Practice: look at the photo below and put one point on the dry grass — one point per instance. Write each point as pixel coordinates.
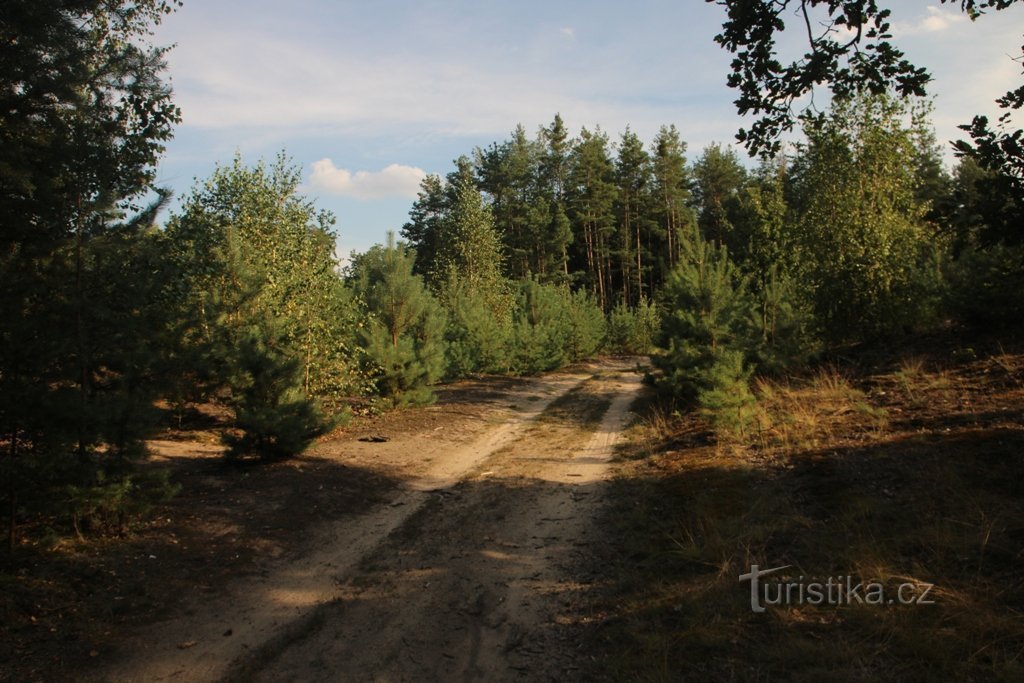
(919, 385)
(794, 416)
(903, 476)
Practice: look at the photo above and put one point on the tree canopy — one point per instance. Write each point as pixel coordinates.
(850, 48)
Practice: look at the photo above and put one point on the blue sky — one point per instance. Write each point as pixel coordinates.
(367, 97)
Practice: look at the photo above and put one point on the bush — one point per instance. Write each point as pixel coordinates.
(540, 328)
(272, 411)
(986, 285)
(587, 327)
(633, 330)
(549, 326)
(478, 339)
(111, 498)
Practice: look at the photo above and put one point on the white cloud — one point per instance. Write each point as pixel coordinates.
(936, 20)
(248, 80)
(394, 180)
(939, 19)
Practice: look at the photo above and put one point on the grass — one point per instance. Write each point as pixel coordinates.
(905, 475)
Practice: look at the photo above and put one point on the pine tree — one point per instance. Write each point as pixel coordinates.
(478, 340)
(632, 174)
(423, 229)
(671, 180)
(719, 177)
(84, 119)
(725, 398)
(275, 417)
(554, 179)
(508, 173)
(705, 335)
(403, 338)
(591, 197)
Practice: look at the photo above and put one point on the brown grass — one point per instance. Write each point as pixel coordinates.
(905, 475)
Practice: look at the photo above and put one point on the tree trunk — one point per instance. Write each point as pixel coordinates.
(80, 333)
(639, 269)
(12, 492)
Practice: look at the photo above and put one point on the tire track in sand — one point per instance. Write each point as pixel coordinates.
(211, 636)
(485, 581)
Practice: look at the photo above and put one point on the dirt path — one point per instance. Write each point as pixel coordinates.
(466, 572)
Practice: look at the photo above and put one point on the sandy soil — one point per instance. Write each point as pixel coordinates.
(470, 565)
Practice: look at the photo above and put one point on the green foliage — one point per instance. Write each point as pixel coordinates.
(719, 178)
(510, 174)
(591, 198)
(478, 339)
(548, 327)
(986, 285)
(866, 254)
(111, 498)
(763, 232)
(540, 330)
(869, 63)
(984, 208)
(672, 196)
(83, 122)
(468, 245)
(632, 178)
(455, 239)
(633, 330)
(452, 231)
(250, 247)
(724, 396)
(706, 332)
(264, 313)
(999, 149)
(275, 418)
(525, 181)
(587, 325)
(553, 178)
(552, 326)
(403, 338)
(785, 322)
(84, 116)
(423, 230)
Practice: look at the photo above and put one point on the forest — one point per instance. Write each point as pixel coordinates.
(535, 252)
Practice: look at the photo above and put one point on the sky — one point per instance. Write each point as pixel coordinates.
(368, 97)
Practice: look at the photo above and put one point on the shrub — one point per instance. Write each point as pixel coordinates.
(633, 330)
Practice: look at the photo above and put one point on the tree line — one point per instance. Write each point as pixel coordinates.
(856, 234)
(580, 212)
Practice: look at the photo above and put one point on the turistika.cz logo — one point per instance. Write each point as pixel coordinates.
(836, 591)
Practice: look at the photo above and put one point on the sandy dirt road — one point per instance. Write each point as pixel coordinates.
(469, 570)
